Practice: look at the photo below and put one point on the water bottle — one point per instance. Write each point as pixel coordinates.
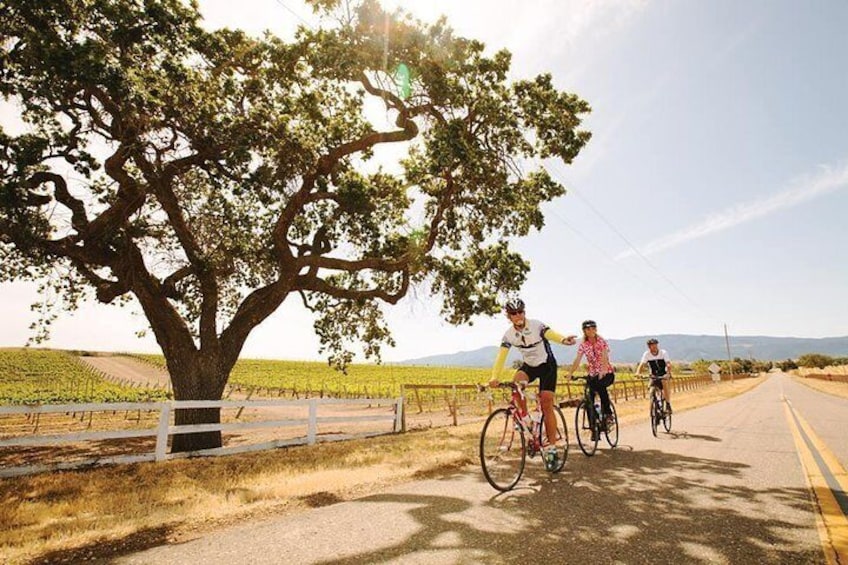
(537, 417)
(598, 410)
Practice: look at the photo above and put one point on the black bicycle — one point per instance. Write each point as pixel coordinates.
(660, 409)
(590, 423)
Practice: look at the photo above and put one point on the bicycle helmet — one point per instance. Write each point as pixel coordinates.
(653, 341)
(514, 306)
(589, 324)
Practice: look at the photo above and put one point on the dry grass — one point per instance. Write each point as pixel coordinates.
(832, 370)
(72, 516)
(830, 387)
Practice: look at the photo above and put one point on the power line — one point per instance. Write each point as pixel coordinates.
(559, 173)
(609, 257)
(292, 12)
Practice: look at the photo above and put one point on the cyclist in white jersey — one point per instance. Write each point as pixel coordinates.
(660, 364)
(532, 338)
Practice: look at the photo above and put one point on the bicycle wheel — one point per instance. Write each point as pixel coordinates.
(667, 419)
(502, 453)
(584, 428)
(612, 427)
(654, 416)
(562, 440)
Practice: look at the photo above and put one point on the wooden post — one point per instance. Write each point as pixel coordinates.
(312, 430)
(418, 400)
(241, 408)
(162, 431)
(402, 410)
(455, 406)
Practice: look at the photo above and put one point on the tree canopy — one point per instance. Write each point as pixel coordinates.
(209, 175)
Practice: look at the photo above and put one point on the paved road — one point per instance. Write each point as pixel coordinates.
(727, 486)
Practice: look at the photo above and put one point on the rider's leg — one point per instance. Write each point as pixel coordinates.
(603, 383)
(521, 376)
(546, 397)
(667, 391)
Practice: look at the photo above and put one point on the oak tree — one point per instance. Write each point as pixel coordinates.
(211, 175)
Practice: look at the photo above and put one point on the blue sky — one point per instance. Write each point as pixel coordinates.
(714, 190)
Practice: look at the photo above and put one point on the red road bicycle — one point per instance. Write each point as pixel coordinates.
(506, 442)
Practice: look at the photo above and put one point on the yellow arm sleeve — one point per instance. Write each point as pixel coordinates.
(499, 362)
(551, 335)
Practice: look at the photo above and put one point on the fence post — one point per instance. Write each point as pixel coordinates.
(312, 430)
(455, 407)
(241, 408)
(418, 400)
(400, 417)
(162, 431)
(402, 409)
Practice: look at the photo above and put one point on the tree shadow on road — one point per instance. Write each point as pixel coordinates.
(619, 506)
(687, 435)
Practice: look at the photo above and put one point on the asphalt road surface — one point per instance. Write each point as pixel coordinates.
(726, 486)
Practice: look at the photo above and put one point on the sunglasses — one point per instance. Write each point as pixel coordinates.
(515, 312)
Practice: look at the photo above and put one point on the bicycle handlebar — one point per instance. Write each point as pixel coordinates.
(510, 385)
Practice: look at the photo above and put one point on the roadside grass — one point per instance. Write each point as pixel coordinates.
(97, 513)
(829, 387)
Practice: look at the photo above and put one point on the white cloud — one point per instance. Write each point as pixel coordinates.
(804, 189)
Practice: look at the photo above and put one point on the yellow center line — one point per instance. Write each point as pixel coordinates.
(819, 464)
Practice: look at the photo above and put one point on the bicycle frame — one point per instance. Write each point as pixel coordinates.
(659, 412)
(533, 434)
(506, 441)
(589, 401)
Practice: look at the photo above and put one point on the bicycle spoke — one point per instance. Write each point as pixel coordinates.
(654, 416)
(612, 427)
(502, 450)
(584, 429)
(667, 419)
(561, 443)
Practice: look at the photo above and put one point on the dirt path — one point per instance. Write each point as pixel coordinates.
(129, 369)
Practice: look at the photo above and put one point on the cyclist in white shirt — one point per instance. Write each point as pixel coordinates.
(532, 338)
(660, 364)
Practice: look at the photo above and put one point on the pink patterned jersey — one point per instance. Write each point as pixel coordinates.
(594, 355)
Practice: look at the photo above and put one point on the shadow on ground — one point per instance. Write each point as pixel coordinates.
(619, 506)
(137, 541)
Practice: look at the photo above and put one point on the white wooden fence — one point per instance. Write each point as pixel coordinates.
(165, 428)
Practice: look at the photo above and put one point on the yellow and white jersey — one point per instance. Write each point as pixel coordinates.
(530, 341)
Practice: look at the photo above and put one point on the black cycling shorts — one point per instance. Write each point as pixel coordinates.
(546, 373)
(604, 381)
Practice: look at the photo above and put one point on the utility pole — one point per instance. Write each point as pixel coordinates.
(729, 358)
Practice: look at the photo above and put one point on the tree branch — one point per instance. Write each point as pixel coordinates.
(316, 284)
(79, 219)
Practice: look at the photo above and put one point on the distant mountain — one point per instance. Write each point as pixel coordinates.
(680, 347)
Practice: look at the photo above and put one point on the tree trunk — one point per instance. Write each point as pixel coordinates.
(202, 378)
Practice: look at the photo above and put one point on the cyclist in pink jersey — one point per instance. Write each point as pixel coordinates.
(601, 371)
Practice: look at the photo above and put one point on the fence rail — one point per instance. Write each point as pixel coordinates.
(454, 397)
(164, 429)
